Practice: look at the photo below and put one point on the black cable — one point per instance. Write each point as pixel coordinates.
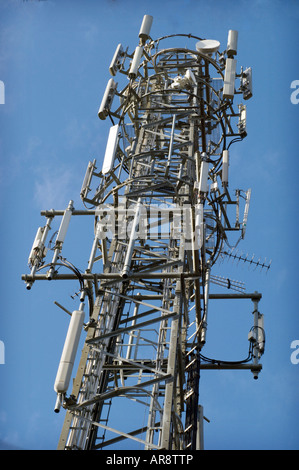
(76, 271)
(237, 139)
(219, 362)
(111, 118)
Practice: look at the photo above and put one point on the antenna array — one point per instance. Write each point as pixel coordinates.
(162, 213)
(233, 254)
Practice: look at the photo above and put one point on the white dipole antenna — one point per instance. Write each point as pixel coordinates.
(60, 238)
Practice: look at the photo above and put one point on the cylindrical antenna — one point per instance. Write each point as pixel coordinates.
(225, 165)
(69, 352)
(127, 262)
(199, 225)
(145, 27)
(232, 42)
(135, 62)
(206, 301)
(204, 172)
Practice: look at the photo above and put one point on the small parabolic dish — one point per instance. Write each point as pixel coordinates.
(207, 46)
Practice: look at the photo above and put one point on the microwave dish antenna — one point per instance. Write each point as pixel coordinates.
(207, 46)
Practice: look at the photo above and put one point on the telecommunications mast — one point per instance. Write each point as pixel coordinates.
(162, 214)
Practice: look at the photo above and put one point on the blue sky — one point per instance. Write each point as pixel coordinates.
(54, 59)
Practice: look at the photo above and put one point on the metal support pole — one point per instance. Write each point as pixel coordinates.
(133, 236)
(255, 312)
(200, 429)
(206, 306)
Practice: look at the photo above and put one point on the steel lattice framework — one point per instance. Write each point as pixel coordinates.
(162, 212)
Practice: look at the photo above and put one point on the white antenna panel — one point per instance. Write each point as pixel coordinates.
(64, 223)
(242, 120)
(261, 333)
(87, 179)
(107, 99)
(115, 63)
(199, 225)
(36, 247)
(247, 83)
(229, 78)
(203, 180)
(110, 149)
(246, 210)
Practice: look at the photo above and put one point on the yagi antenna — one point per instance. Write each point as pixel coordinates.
(246, 259)
(228, 283)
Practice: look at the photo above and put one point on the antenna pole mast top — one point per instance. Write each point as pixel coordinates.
(160, 210)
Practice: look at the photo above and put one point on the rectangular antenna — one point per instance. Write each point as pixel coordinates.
(87, 178)
(65, 223)
(115, 63)
(247, 83)
(246, 210)
(242, 120)
(204, 173)
(229, 78)
(60, 238)
(107, 99)
(261, 333)
(110, 149)
(127, 262)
